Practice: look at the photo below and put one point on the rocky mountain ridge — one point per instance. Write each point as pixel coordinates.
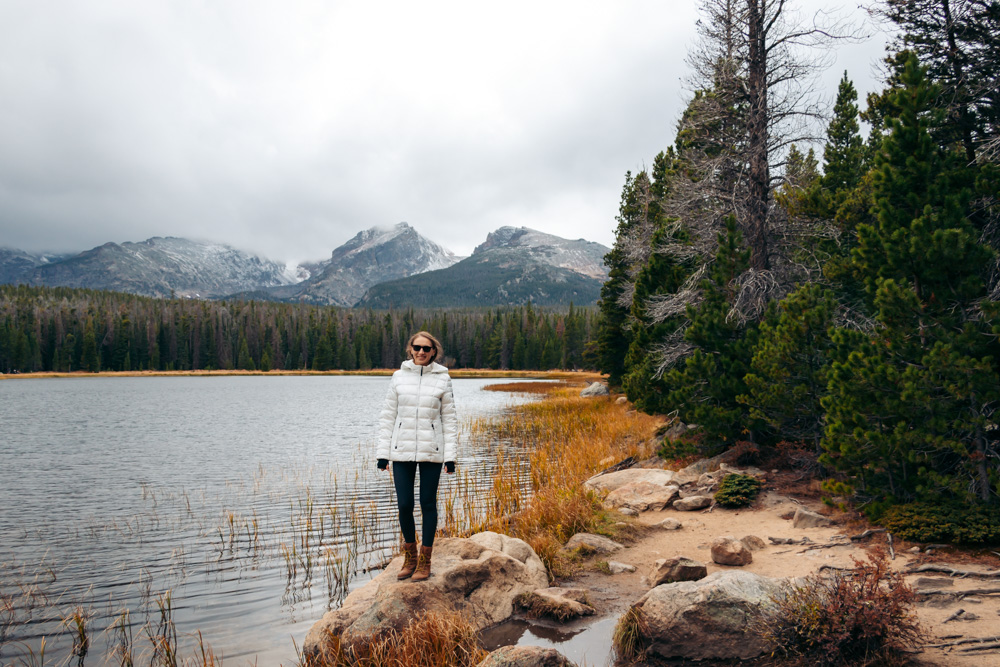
(513, 265)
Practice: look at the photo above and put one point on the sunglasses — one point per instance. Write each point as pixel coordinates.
(423, 348)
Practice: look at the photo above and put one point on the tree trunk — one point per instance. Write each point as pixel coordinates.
(756, 214)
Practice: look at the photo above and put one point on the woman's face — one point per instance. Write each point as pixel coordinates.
(422, 350)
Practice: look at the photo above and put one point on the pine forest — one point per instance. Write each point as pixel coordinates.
(66, 329)
(837, 297)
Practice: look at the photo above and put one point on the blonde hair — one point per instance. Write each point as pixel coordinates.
(438, 351)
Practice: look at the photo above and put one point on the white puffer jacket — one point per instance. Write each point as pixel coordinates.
(418, 420)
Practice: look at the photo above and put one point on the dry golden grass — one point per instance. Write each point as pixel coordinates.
(433, 639)
(569, 439)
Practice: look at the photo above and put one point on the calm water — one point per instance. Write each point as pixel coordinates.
(253, 501)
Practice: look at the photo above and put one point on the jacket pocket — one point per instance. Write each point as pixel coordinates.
(395, 434)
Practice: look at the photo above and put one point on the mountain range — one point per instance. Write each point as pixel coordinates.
(378, 267)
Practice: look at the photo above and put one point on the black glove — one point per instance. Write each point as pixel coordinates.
(383, 464)
(449, 466)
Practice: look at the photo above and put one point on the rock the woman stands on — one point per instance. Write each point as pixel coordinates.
(418, 430)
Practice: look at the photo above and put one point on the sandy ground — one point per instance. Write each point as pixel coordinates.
(612, 594)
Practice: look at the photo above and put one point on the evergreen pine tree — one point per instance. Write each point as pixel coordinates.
(909, 403)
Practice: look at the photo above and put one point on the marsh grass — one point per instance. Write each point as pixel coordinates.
(564, 440)
(433, 639)
(628, 639)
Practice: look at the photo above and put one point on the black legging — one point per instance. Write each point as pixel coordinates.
(403, 475)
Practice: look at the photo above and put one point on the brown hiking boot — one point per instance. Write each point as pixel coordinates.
(409, 560)
(423, 570)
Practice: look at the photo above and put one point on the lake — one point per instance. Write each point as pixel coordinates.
(243, 507)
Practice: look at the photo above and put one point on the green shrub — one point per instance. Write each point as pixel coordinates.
(737, 490)
(953, 524)
(861, 616)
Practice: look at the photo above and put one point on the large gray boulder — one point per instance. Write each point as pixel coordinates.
(642, 496)
(595, 389)
(525, 656)
(478, 577)
(707, 619)
(614, 480)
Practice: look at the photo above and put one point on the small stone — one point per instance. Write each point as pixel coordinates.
(968, 616)
(619, 568)
(806, 519)
(693, 503)
(753, 543)
(678, 568)
(913, 550)
(730, 551)
(628, 511)
(592, 544)
(669, 524)
(621, 400)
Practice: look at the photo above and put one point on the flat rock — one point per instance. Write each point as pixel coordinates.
(558, 603)
(753, 543)
(596, 389)
(669, 524)
(804, 518)
(676, 568)
(707, 619)
(692, 503)
(730, 551)
(619, 568)
(590, 543)
(614, 480)
(525, 656)
(933, 583)
(642, 496)
(478, 577)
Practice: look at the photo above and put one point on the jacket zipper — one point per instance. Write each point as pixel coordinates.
(416, 420)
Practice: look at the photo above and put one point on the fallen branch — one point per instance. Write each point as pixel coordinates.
(870, 531)
(961, 594)
(982, 647)
(954, 572)
(825, 546)
(962, 642)
(892, 552)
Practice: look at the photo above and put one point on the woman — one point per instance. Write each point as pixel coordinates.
(418, 430)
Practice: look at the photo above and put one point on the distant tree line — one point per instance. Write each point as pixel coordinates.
(853, 305)
(68, 329)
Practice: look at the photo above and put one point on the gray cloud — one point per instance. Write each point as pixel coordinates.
(284, 128)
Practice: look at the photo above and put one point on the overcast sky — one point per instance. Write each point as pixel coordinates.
(286, 128)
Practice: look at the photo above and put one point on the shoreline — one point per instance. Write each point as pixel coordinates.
(481, 373)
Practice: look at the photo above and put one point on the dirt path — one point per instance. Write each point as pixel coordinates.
(612, 594)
